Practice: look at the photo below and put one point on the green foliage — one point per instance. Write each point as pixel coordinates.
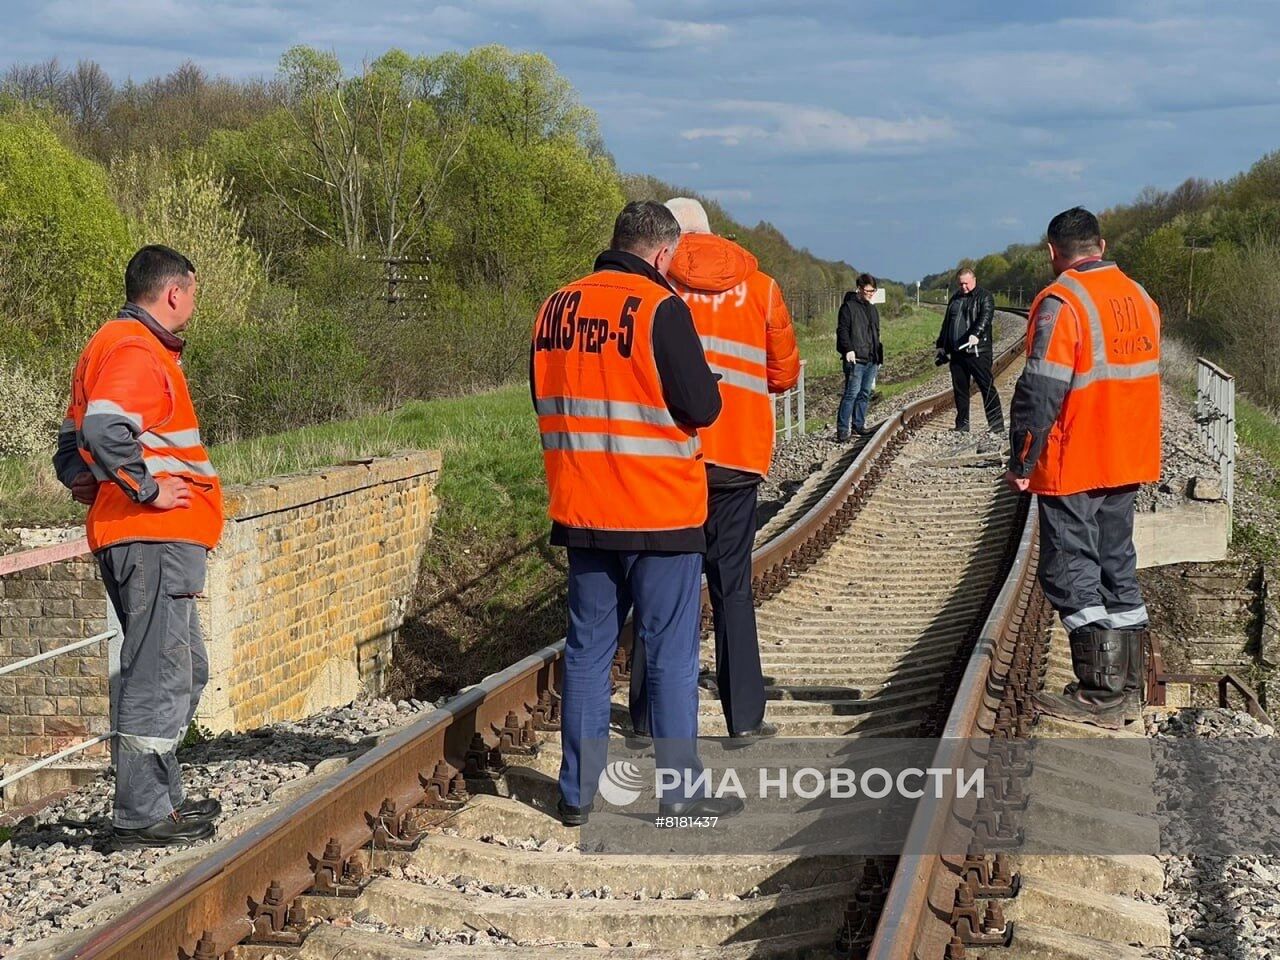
(180, 202)
(278, 368)
(30, 410)
(63, 244)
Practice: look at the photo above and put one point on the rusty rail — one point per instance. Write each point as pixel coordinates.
(245, 891)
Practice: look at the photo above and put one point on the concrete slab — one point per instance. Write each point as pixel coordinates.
(660, 923)
(1072, 909)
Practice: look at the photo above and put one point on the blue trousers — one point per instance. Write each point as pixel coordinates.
(662, 590)
(859, 378)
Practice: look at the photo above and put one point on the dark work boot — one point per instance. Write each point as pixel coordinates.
(1135, 680)
(206, 809)
(173, 831)
(1100, 660)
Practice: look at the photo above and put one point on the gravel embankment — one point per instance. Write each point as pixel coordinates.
(1220, 908)
(59, 862)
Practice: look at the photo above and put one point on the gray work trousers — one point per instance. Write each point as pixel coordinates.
(1088, 564)
(163, 670)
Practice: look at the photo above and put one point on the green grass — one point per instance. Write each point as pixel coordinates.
(491, 484)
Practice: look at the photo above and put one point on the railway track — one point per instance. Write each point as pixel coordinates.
(896, 598)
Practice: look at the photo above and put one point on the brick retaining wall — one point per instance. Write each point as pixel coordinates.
(306, 592)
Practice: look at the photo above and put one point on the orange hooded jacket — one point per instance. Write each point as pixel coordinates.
(748, 339)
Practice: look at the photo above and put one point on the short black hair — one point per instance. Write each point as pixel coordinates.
(867, 280)
(1075, 232)
(643, 226)
(152, 269)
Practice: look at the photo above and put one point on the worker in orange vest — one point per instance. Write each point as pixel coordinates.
(746, 332)
(621, 386)
(1085, 433)
(130, 447)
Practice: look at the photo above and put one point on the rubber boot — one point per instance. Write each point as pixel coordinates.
(1135, 680)
(1100, 661)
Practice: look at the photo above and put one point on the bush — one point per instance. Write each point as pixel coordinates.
(31, 410)
(183, 204)
(276, 370)
(63, 243)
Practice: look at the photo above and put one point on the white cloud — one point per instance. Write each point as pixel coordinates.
(1070, 170)
(800, 128)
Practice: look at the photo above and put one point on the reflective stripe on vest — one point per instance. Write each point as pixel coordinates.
(734, 333)
(1107, 433)
(171, 445)
(1101, 367)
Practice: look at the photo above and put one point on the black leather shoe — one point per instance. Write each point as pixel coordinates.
(172, 831)
(205, 809)
(762, 732)
(572, 816)
(703, 807)
(863, 431)
(637, 741)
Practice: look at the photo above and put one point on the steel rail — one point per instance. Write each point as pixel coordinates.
(244, 889)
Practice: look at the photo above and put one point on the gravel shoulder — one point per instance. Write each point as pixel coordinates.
(1227, 907)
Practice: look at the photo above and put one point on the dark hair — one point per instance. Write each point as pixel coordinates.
(643, 226)
(866, 280)
(1075, 232)
(152, 269)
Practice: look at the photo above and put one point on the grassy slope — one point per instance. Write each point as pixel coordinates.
(491, 588)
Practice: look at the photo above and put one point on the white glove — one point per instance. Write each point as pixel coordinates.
(971, 342)
(851, 357)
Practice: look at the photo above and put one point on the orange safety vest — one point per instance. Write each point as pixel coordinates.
(1106, 346)
(171, 445)
(744, 325)
(615, 458)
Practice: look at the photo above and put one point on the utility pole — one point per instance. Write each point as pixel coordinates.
(917, 293)
(1191, 272)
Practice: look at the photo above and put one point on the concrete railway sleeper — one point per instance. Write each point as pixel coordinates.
(442, 827)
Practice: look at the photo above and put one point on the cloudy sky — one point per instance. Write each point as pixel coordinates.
(899, 135)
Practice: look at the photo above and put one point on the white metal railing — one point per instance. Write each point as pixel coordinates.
(75, 748)
(1216, 418)
(792, 403)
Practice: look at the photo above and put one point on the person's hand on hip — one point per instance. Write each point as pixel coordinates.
(174, 493)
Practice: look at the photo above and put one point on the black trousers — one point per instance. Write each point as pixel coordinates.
(967, 368)
(731, 531)
(1088, 565)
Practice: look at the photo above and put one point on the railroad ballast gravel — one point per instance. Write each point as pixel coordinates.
(59, 863)
(1220, 908)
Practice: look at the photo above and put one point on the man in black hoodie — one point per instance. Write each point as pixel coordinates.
(965, 340)
(858, 343)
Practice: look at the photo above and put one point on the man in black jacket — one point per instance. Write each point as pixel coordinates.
(858, 343)
(965, 340)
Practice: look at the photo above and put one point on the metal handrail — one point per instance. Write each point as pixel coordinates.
(49, 654)
(75, 747)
